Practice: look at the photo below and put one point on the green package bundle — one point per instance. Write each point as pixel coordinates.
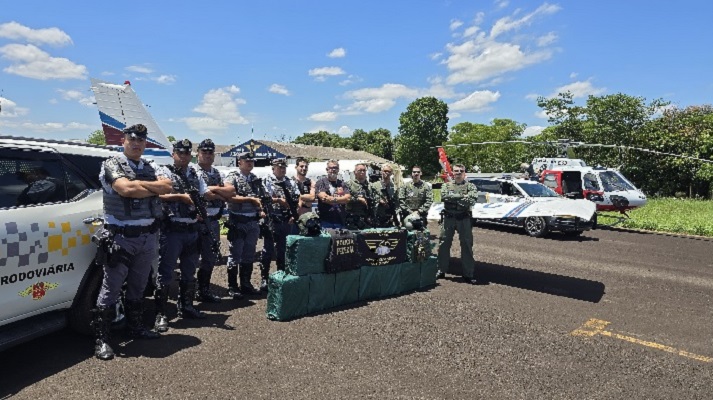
(369, 284)
(288, 296)
(321, 292)
(390, 279)
(429, 267)
(346, 287)
(410, 277)
(306, 255)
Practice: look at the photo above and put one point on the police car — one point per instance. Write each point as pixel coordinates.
(49, 199)
(529, 204)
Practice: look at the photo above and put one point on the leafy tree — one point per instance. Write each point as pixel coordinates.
(171, 139)
(377, 142)
(423, 126)
(491, 157)
(322, 138)
(97, 137)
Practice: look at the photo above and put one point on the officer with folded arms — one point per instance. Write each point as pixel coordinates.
(305, 186)
(129, 241)
(279, 187)
(360, 208)
(245, 210)
(458, 198)
(179, 236)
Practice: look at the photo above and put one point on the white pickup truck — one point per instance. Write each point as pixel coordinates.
(49, 193)
(531, 205)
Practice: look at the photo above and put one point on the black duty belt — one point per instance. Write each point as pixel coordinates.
(133, 230)
(459, 215)
(241, 219)
(181, 227)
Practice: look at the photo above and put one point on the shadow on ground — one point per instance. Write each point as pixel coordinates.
(537, 281)
(558, 236)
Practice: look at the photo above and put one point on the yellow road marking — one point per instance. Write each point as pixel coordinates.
(596, 327)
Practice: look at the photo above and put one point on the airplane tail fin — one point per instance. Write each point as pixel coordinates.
(119, 107)
(443, 159)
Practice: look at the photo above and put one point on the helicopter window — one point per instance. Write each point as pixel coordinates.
(550, 181)
(590, 182)
(537, 190)
(613, 182)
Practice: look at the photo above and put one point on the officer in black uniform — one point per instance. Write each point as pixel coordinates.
(128, 244)
(214, 208)
(245, 210)
(282, 221)
(306, 188)
(179, 236)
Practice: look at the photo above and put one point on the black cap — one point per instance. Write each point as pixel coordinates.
(138, 130)
(206, 144)
(183, 146)
(246, 156)
(281, 162)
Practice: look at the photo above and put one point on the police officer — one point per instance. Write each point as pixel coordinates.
(245, 209)
(279, 187)
(388, 202)
(332, 195)
(132, 210)
(458, 198)
(415, 197)
(179, 236)
(214, 208)
(360, 208)
(305, 187)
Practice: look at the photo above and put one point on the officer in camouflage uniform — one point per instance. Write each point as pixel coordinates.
(458, 198)
(130, 236)
(274, 245)
(179, 237)
(214, 208)
(415, 197)
(360, 209)
(388, 202)
(245, 211)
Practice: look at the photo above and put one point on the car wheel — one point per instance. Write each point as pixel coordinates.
(535, 226)
(80, 315)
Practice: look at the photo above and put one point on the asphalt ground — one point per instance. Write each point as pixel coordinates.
(610, 315)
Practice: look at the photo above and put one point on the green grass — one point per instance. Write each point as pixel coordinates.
(694, 217)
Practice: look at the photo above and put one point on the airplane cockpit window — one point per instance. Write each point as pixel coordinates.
(590, 182)
(613, 182)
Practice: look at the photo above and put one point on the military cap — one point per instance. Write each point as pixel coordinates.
(279, 162)
(206, 144)
(246, 156)
(183, 146)
(138, 130)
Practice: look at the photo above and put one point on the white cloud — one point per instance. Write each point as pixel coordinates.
(10, 109)
(479, 17)
(573, 75)
(220, 109)
(452, 115)
(139, 69)
(507, 23)
(532, 131)
(31, 62)
(75, 95)
(578, 89)
(379, 99)
(455, 24)
(45, 127)
(322, 73)
(323, 116)
(107, 73)
(477, 101)
(542, 114)
(337, 53)
(546, 40)
(502, 3)
(470, 31)
(435, 56)
(344, 131)
(165, 79)
(51, 36)
(532, 96)
(350, 80)
(278, 89)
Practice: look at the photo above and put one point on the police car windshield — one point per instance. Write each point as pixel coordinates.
(614, 182)
(537, 190)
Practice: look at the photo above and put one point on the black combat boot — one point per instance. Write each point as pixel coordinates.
(204, 293)
(161, 299)
(187, 292)
(233, 290)
(101, 322)
(265, 274)
(246, 287)
(135, 315)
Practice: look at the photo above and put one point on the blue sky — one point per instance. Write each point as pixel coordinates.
(216, 69)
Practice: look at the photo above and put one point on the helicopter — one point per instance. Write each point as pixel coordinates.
(573, 178)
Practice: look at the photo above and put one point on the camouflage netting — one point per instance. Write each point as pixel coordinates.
(420, 241)
(321, 292)
(346, 287)
(288, 296)
(306, 255)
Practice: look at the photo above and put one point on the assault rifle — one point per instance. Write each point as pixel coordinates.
(291, 205)
(266, 227)
(200, 205)
(392, 207)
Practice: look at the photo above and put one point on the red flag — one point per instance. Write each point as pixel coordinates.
(448, 176)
